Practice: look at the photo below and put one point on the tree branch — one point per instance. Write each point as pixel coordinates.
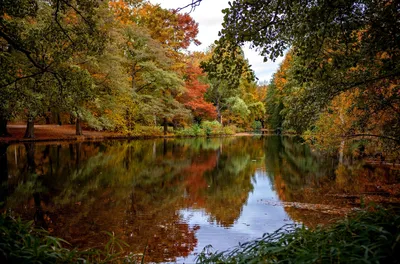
(58, 23)
(21, 78)
(193, 5)
(80, 14)
(21, 49)
(143, 86)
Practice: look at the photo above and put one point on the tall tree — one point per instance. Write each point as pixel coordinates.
(193, 98)
(46, 35)
(225, 69)
(338, 46)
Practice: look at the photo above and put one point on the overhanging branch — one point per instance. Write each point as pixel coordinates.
(193, 5)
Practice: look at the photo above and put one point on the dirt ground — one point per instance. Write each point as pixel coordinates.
(55, 132)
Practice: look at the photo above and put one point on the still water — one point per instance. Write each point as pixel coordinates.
(170, 198)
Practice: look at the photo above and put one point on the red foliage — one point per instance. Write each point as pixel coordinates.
(190, 29)
(193, 98)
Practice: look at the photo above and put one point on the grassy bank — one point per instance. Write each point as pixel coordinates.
(367, 237)
(20, 242)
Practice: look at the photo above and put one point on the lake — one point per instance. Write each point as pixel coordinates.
(170, 198)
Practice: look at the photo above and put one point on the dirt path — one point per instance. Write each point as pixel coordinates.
(56, 132)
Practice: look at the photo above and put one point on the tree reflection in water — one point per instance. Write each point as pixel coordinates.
(303, 176)
(137, 189)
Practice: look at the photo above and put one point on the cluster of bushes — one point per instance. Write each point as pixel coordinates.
(206, 128)
(367, 237)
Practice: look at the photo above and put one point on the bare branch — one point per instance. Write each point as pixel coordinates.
(193, 5)
(22, 78)
(58, 23)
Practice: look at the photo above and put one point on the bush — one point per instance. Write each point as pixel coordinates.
(367, 237)
(20, 242)
(207, 128)
(196, 130)
(147, 131)
(211, 127)
(229, 130)
(193, 131)
(256, 126)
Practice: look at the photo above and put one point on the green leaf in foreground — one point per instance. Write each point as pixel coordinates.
(367, 237)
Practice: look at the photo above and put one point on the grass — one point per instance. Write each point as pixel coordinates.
(367, 237)
(20, 242)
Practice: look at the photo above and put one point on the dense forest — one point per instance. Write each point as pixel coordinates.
(118, 65)
(124, 66)
(339, 82)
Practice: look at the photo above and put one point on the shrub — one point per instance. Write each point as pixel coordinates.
(256, 126)
(367, 237)
(212, 127)
(193, 131)
(229, 130)
(147, 131)
(20, 242)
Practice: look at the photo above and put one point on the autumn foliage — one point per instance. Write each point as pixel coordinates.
(193, 98)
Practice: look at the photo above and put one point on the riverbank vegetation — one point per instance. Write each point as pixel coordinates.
(21, 242)
(367, 237)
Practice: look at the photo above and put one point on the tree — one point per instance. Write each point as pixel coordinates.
(225, 70)
(174, 30)
(338, 46)
(45, 35)
(193, 97)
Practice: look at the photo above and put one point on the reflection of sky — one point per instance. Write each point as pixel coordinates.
(256, 219)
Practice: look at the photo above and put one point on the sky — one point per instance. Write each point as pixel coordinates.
(210, 18)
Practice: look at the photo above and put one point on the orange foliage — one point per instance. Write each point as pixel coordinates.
(280, 76)
(193, 98)
(122, 11)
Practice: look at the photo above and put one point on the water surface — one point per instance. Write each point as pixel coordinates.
(173, 197)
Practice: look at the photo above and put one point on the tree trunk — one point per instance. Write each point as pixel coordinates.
(30, 128)
(341, 152)
(59, 122)
(78, 126)
(175, 125)
(47, 117)
(165, 126)
(219, 114)
(3, 128)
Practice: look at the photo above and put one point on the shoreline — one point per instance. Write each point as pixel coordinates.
(66, 133)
